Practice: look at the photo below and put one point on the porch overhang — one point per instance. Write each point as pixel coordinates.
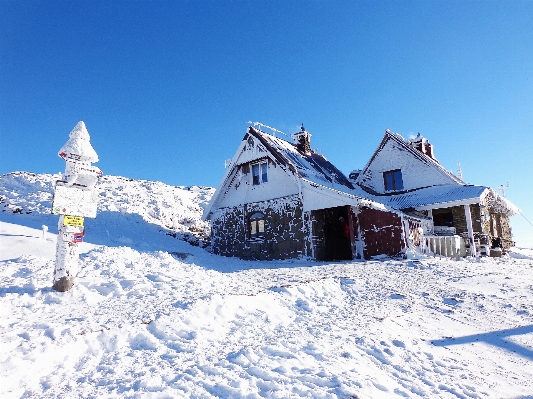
(449, 204)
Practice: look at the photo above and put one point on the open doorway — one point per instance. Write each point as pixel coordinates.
(443, 217)
(331, 234)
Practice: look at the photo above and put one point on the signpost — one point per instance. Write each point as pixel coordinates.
(74, 199)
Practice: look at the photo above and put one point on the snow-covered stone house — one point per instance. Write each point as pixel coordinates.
(279, 200)
(405, 175)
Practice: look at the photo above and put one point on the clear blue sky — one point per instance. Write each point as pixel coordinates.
(166, 87)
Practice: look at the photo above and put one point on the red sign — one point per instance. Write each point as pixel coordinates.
(77, 237)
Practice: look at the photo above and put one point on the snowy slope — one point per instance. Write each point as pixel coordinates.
(165, 319)
(123, 204)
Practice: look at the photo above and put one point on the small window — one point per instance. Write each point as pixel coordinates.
(264, 175)
(260, 173)
(393, 180)
(257, 225)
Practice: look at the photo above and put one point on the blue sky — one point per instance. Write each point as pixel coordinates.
(166, 87)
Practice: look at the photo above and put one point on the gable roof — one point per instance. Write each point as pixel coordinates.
(438, 195)
(407, 147)
(310, 167)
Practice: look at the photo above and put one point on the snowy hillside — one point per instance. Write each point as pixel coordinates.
(151, 316)
(122, 202)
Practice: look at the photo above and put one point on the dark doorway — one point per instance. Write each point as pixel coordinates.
(331, 234)
(443, 217)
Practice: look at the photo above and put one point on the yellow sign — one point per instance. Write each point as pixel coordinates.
(72, 220)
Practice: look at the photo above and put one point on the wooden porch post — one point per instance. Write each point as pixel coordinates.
(468, 216)
(430, 215)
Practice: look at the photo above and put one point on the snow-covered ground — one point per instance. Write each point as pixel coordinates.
(151, 316)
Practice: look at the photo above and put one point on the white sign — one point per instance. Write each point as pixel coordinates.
(74, 229)
(81, 174)
(74, 201)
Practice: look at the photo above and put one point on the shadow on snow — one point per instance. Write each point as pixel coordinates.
(495, 338)
(115, 229)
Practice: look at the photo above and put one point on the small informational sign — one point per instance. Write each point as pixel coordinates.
(74, 229)
(72, 220)
(70, 233)
(72, 237)
(70, 156)
(74, 200)
(89, 169)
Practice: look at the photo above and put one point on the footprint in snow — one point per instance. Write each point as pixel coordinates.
(398, 344)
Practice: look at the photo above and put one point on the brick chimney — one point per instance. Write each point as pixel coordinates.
(424, 146)
(302, 140)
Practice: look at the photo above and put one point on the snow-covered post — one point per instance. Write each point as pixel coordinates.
(468, 216)
(74, 199)
(45, 229)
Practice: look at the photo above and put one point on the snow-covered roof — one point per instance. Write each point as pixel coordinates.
(310, 166)
(439, 174)
(434, 195)
(318, 174)
(444, 196)
(441, 189)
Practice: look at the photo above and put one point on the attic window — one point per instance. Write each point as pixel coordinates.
(393, 180)
(259, 173)
(257, 225)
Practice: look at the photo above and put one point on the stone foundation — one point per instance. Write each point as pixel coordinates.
(284, 236)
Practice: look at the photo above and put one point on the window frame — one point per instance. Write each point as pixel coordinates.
(262, 169)
(390, 176)
(256, 226)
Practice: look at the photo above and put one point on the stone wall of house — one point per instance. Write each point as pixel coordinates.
(307, 229)
(459, 219)
(497, 225)
(228, 231)
(285, 234)
(495, 220)
(484, 222)
(475, 211)
(507, 235)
